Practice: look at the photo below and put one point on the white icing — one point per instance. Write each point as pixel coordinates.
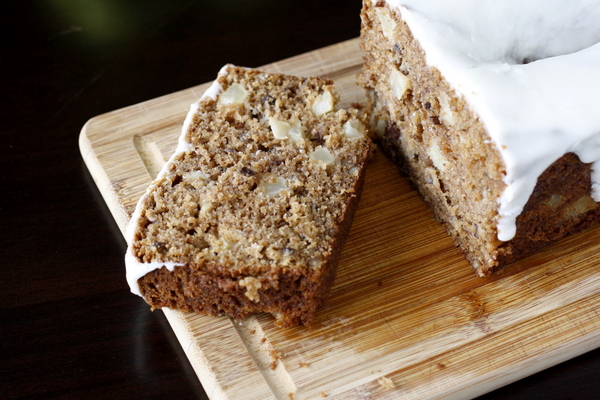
(136, 269)
(530, 70)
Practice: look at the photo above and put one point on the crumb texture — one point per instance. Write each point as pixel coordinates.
(258, 205)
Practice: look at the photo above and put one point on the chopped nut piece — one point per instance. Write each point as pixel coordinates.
(399, 83)
(206, 206)
(387, 23)
(446, 113)
(234, 94)
(296, 133)
(323, 104)
(273, 185)
(195, 175)
(353, 129)
(283, 130)
(279, 128)
(322, 154)
(437, 158)
(197, 179)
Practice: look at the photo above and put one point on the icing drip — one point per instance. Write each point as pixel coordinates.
(530, 70)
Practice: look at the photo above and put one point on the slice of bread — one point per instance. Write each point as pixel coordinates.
(251, 212)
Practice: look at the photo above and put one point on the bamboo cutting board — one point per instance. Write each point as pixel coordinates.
(407, 317)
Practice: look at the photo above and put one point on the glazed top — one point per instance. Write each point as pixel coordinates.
(530, 70)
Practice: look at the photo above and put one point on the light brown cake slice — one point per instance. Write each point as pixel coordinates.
(251, 212)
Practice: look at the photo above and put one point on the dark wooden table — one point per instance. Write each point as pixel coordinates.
(69, 326)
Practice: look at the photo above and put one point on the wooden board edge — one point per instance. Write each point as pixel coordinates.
(528, 368)
(101, 179)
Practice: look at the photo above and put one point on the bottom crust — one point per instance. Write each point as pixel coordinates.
(291, 297)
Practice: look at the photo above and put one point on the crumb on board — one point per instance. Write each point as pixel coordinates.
(275, 356)
(386, 382)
